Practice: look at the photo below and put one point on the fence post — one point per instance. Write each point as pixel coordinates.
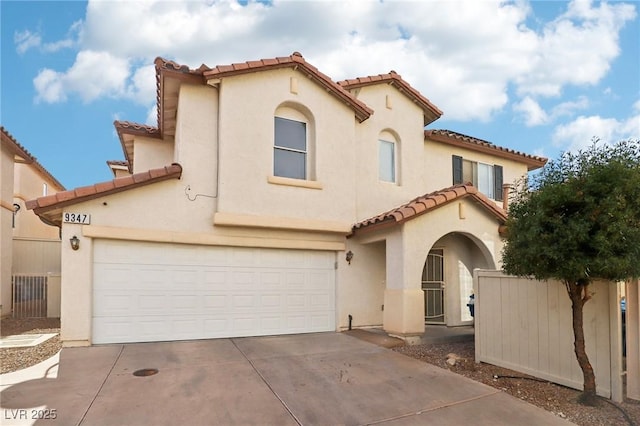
(615, 336)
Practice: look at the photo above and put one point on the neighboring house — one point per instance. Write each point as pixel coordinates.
(29, 246)
(254, 208)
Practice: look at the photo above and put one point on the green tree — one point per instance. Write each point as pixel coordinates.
(576, 221)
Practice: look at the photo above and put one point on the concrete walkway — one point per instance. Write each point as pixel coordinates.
(310, 379)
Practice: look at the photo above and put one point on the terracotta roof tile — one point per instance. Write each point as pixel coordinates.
(427, 203)
(56, 201)
(15, 147)
(104, 186)
(431, 112)
(458, 139)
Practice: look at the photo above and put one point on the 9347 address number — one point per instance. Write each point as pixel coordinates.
(83, 219)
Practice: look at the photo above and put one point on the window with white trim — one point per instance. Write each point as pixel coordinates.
(486, 177)
(290, 148)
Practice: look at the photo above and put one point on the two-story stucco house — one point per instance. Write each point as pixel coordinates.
(28, 245)
(272, 200)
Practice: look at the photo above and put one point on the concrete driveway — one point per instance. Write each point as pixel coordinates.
(309, 379)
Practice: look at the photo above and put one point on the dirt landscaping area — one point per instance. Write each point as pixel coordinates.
(12, 359)
(557, 399)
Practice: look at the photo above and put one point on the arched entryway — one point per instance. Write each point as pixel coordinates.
(447, 277)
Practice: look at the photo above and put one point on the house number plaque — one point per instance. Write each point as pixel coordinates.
(81, 218)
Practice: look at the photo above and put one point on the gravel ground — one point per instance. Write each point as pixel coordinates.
(557, 399)
(12, 359)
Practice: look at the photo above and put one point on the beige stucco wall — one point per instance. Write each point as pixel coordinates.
(397, 115)
(246, 149)
(150, 153)
(6, 231)
(361, 285)
(28, 185)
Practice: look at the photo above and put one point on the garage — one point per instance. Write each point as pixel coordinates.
(147, 292)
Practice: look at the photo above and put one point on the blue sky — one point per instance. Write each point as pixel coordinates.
(535, 76)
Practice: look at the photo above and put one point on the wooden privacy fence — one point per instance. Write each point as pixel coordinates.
(526, 325)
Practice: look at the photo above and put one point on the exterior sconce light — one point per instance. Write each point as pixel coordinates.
(75, 243)
(349, 256)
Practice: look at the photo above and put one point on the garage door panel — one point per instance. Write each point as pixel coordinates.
(156, 292)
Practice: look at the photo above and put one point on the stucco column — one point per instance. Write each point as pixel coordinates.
(76, 288)
(403, 297)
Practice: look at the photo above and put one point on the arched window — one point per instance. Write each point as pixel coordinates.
(388, 155)
(292, 144)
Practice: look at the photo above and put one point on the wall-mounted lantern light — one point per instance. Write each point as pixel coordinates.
(16, 209)
(75, 242)
(349, 256)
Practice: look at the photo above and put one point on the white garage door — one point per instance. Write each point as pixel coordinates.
(145, 292)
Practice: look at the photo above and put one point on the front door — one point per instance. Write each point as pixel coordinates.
(433, 287)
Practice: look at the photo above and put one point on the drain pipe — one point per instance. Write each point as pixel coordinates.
(350, 319)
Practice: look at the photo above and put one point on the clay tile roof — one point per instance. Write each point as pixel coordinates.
(25, 156)
(426, 203)
(166, 68)
(431, 112)
(295, 60)
(127, 129)
(66, 198)
(458, 139)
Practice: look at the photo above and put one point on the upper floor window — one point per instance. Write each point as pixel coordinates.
(387, 161)
(290, 149)
(486, 177)
(44, 189)
(389, 157)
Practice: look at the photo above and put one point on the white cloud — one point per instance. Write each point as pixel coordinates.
(93, 75)
(26, 40)
(579, 133)
(533, 114)
(462, 56)
(577, 48)
(49, 86)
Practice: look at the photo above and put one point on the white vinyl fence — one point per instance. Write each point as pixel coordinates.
(526, 326)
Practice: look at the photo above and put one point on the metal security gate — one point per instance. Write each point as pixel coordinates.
(433, 287)
(29, 296)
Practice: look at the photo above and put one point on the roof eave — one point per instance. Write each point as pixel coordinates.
(532, 163)
(49, 208)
